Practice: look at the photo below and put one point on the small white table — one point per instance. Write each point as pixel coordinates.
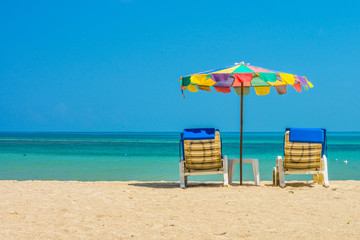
(255, 167)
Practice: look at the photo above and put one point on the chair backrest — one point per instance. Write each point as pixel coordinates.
(201, 154)
(299, 154)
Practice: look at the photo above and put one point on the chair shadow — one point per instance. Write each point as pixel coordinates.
(295, 184)
(243, 185)
(169, 185)
(301, 184)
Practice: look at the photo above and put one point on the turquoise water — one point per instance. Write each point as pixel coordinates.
(149, 156)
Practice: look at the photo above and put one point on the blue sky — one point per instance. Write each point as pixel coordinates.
(114, 65)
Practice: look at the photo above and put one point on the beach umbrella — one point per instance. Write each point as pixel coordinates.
(241, 77)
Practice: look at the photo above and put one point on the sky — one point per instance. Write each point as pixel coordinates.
(114, 65)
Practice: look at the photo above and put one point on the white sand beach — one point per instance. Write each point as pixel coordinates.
(161, 210)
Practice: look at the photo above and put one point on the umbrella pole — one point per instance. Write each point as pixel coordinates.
(241, 132)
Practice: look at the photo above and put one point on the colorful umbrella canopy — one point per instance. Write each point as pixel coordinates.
(243, 74)
(241, 77)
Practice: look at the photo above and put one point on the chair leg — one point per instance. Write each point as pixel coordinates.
(280, 164)
(225, 172)
(326, 174)
(274, 176)
(315, 178)
(230, 171)
(253, 165)
(257, 172)
(320, 178)
(182, 174)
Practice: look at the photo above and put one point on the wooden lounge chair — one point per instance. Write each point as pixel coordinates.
(304, 150)
(201, 155)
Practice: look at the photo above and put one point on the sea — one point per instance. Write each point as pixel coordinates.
(151, 156)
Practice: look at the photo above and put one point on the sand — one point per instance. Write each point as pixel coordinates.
(161, 210)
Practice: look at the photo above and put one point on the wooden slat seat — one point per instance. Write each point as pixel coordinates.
(301, 155)
(203, 154)
(202, 166)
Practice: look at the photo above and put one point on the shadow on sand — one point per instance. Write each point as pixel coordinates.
(189, 185)
(300, 184)
(156, 184)
(295, 184)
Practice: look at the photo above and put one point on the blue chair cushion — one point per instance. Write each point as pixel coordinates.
(308, 135)
(199, 134)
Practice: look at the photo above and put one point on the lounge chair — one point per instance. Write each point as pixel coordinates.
(201, 154)
(304, 153)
